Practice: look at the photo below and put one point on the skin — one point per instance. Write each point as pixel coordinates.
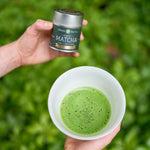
(33, 48)
(98, 144)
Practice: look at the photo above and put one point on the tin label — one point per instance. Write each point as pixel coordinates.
(63, 38)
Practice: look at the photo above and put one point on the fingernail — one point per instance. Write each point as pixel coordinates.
(76, 54)
(82, 37)
(48, 24)
(85, 21)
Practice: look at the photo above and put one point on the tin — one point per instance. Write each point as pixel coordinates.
(67, 24)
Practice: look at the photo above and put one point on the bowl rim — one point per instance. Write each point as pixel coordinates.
(86, 137)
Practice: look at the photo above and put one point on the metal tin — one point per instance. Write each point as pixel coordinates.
(67, 24)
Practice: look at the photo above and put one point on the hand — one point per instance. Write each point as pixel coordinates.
(33, 45)
(98, 144)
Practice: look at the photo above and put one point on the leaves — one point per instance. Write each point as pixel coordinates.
(116, 39)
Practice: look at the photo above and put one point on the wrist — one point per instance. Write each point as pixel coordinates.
(16, 58)
(10, 58)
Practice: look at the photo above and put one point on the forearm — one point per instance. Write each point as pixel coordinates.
(9, 58)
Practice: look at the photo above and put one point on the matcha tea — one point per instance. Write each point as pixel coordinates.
(85, 110)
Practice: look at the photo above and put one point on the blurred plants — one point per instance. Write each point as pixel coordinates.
(117, 39)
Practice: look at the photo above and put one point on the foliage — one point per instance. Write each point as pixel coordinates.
(116, 39)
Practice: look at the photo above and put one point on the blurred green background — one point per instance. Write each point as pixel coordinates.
(117, 39)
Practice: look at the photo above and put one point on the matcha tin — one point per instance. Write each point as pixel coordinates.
(67, 24)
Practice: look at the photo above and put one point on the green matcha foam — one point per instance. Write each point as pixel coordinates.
(85, 110)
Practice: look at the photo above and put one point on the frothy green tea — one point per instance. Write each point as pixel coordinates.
(85, 110)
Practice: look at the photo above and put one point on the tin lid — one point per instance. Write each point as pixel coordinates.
(67, 17)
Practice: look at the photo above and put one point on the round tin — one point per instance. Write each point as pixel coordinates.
(67, 24)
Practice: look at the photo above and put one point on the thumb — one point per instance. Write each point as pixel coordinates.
(68, 54)
(40, 25)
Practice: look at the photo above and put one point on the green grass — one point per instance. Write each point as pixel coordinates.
(117, 39)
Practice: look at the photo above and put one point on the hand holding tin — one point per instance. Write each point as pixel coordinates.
(31, 48)
(33, 45)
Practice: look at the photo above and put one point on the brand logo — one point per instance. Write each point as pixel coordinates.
(68, 31)
(66, 39)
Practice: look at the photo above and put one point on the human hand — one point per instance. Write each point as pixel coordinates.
(98, 144)
(33, 46)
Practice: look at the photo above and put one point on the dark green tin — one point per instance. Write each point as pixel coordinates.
(67, 24)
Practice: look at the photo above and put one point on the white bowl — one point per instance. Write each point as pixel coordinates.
(91, 77)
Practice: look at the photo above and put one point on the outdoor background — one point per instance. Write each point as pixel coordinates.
(117, 39)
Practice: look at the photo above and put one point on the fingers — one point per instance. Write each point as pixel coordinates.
(113, 134)
(70, 54)
(39, 25)
(81, 37)
(110, 136)
(55, 54)
(102, 142)
(43, 25)
(85, 22)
